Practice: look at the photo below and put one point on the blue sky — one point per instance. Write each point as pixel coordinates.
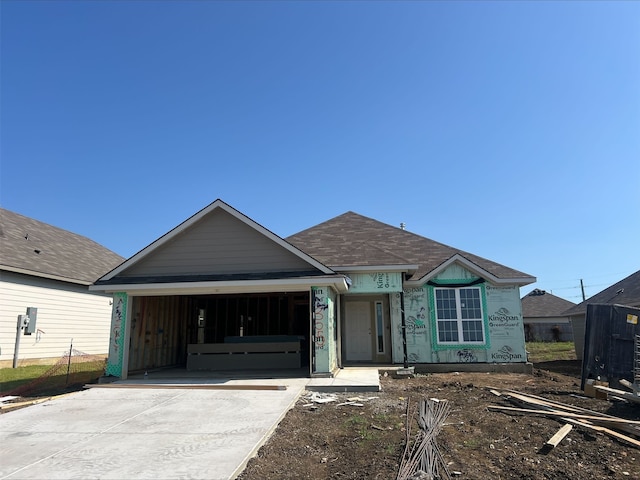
(507, 129)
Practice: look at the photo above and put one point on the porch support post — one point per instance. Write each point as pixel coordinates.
(321, 335)
(117, 335)
(404, 331)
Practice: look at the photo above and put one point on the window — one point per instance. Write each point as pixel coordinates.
(459, 315)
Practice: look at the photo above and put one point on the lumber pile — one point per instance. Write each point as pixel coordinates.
(627, 431)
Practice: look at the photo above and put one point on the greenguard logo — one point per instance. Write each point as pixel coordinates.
(506, 354)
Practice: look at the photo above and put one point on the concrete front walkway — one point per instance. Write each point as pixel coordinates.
(161, 427)
(348, 379)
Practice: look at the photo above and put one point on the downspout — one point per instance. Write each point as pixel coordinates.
(404, 330)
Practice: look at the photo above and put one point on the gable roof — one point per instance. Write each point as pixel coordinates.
(625, 292)
(351, 241)
(35, 248)
(221, 236)
(539, 303)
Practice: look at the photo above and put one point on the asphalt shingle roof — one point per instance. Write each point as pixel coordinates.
(625, 292)
(539, 303)
(40, 249)
(353, 240)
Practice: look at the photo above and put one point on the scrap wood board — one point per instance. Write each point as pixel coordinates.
(556, 413)
(560, 434)
(619, 393)
(596, 421)
(607, 431)
(202, 386)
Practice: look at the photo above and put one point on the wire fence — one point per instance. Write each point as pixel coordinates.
(72, 371)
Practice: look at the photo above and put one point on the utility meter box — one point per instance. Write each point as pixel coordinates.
(32, 313)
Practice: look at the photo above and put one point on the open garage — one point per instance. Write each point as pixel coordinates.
(164, 327)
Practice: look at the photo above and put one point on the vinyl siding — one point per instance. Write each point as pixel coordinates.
(220, 244)
(540, 329)
(65, 312)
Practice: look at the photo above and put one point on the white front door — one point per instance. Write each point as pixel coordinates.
(358, 331)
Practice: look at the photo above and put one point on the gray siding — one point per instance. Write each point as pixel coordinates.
(542, 330)
(219, 243)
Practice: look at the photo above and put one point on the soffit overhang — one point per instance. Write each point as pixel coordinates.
(401, 268)
(340, 283)
(48, 276)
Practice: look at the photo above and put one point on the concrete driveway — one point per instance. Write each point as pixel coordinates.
(158, 433)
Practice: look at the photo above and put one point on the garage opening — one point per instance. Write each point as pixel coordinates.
(167, 330)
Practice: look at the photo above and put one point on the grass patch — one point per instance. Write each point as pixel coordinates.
(473, 443)
(361, 425)
(390, 449)
(550, 351)
(11, 378)
(383, 418)
(356, 420)
(36, 380)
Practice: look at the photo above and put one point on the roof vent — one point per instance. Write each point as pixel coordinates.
(402, 225)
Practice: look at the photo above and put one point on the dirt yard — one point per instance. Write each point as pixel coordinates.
(329, 441)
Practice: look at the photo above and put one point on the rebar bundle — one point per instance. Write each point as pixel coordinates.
(424, 454)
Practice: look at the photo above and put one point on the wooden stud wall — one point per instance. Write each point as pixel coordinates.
(159, 331)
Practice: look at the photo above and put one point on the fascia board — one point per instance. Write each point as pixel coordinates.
(520, 282)
(472, 267)
(376, 268)
(195, 218)
(34, 273)
(339, 283)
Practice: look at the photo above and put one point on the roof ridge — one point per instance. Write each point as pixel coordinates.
(371, 219)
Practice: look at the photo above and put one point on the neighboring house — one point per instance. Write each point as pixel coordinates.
(351, 290)
(544, 319)
(50, 269)
(626, 292)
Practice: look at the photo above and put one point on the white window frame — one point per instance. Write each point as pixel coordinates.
(459, 320)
